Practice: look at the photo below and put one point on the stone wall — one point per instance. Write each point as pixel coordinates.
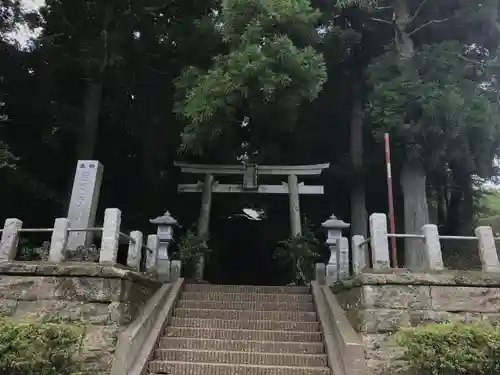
(378, 304)
(103, 299)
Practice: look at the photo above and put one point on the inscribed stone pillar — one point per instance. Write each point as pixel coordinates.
(358, 254)
(10, 239)
(293, 194)
(379, 241)
(433, 258)
(343, 258)
(204, 220)
(59, 241)
(135, 251)
(84, 201)
(487, 249)
(110, 236)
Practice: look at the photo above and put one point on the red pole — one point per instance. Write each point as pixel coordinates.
(392, 223)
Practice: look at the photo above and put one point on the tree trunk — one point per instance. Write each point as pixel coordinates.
(87, 141)
(416, 212)
(359, 215)
(404, 43)
(461, 208)
(413, 177)
(433, 203)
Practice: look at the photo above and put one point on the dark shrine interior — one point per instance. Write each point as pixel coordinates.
(243, 248)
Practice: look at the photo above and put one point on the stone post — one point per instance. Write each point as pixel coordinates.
(487, 249)
(320, 273)
(110, 236)
(334, 229)
(175, 270)
(433, 257)
(59, 241)
(342, 258)
(135, 251)
(153, 244)
(358, 254)
(379, 241)
(166, 224)
(10, 239)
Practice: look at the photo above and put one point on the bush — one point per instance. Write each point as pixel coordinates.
(452, 348)
(298, 255)
(190, 250)
(31, 348)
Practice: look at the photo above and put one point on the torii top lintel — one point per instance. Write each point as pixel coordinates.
(277, 170)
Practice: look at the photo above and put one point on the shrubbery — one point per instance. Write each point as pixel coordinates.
(190, 250)
(37, 348)
(452, 348)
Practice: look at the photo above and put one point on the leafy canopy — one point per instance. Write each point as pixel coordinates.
(270, 63)
(434, 105)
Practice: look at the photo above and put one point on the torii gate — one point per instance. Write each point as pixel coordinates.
(250, 173)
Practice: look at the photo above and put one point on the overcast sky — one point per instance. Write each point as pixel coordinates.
(23, 34)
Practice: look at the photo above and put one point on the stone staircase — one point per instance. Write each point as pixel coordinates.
(242, 330)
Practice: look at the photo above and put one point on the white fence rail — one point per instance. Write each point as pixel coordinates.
(108, 252)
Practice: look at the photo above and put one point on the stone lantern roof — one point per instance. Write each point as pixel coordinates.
(166, 219)
(334, 223)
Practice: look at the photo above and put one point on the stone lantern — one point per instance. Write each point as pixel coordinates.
(165, 231)
(338, 264)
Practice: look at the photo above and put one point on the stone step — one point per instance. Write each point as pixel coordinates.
(247, 289)
(243, 345)
(231, 305)
(246, 314)
(261, 325)
(242, 334)
(241, 358)
(190, 368)
(246, 297)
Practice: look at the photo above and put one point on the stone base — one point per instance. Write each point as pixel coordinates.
(379, 304)
(103, 299)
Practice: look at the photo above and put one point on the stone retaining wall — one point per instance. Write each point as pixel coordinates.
(103, 299)
(378, 304)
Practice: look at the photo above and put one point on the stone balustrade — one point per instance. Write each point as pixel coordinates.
(373, 253)
(161, 269)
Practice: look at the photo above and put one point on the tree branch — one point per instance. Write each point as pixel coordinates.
(418, 10)
(427, 24)
(383, 8)
(105, 37)
(380, 20)
(465, 58)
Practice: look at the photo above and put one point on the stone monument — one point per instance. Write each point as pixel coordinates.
(84, 200)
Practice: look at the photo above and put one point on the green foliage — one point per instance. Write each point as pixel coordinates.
(432, 104)
(299, 254)
(28, 252)
(270, 66)
(189, 251)
(29, 348)
(489, 204)
(452, 348)
(6, 158)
